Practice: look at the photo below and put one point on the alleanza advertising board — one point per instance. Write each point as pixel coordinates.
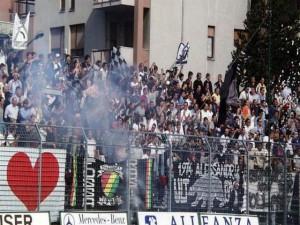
(225, 219)
(18, 218)
(167, 218)
(93, 218)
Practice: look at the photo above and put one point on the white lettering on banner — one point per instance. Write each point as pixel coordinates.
(24, 218)
(219, 219)
(181, 190)
(192, 179)
(226, 171)
(93, 218)
(167, 218)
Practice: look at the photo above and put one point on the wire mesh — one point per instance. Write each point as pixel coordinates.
(67, 168)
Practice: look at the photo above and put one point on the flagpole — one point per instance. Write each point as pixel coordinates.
(182, 19)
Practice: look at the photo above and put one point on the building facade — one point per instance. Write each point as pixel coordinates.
(8, 8)
(147, 30)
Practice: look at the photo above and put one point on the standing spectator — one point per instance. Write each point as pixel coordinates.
(207, 83)
(206, 112)
(197, 82)
(104, 71)
(245, 94)
(11, 111)
(260, 85)
(219, 83)
(14, 83)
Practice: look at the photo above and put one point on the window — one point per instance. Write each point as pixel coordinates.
(57, 39)
(62, 5)
(239, 36)
(128, 34)
(77, 40)
(210, 42)
(72, 5)
(24, 7)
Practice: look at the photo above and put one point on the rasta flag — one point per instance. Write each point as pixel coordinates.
(145, 185)
(110, 181)
(105, 185)
(149, 183)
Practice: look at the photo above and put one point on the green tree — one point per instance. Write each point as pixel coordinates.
(279, 26)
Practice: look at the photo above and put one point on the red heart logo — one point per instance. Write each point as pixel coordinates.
(23, 179)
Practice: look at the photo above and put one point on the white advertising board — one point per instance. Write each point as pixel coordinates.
(18, 218)
(225, 219)
(167, 218)
(93, 218)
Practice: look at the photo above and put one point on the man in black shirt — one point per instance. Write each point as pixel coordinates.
(197, 82)
(207, 84)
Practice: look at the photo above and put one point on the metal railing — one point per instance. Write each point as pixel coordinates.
(106, 2)
(71, 168)
(6, 28)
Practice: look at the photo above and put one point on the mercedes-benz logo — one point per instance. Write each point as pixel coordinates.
(69, 220)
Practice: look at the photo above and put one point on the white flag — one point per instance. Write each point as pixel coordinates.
(182, 53)
(20, 33)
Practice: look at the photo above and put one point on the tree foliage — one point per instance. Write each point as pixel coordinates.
(271, 33)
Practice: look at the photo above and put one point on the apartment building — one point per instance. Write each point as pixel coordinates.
(147, 30)
(8, 8)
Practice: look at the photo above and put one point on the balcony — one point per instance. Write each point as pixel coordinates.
(98, 4)
(6, 29)
(104, 55)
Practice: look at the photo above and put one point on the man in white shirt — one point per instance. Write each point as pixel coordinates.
(245, 94)
(11, 111)
(206, 112)
(14, 83)
(104, 71)
(185, 114)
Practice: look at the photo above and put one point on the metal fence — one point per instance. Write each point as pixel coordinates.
(48, 168)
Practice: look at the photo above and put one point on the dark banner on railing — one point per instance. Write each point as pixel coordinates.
(259, 180)
(105, 185)
(193, 190)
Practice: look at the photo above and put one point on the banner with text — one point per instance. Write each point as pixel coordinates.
(193, 188)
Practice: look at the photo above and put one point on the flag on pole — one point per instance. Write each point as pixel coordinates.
(117, 60)
(20, 33)
(229, 93)
(182, 53)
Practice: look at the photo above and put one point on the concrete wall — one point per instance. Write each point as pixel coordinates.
(48, 15)
(165, 33)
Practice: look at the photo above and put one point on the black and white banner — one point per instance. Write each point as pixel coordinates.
(193, 190)
(259, 181)
(20, 33)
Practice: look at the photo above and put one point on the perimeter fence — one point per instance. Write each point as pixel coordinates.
(51, 168)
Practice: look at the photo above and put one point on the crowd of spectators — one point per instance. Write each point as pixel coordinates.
(65, 91)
